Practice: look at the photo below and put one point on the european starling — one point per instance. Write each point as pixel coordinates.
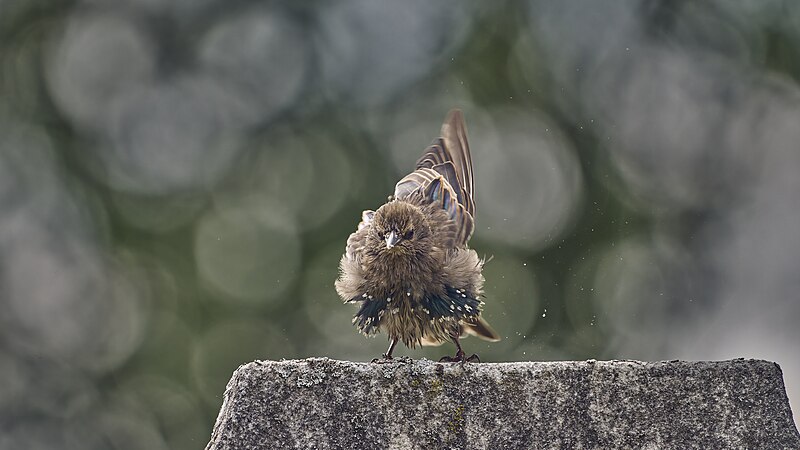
(408, 265)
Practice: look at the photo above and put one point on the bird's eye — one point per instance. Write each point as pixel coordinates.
(409, 234)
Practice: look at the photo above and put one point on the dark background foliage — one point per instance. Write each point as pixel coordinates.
(178, 179)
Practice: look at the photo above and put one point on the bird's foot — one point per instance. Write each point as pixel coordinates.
(383, 359)
(460, 357)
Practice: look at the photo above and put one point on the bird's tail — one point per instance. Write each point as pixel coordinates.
(481, 328)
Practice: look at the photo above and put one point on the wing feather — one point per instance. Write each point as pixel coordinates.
(358, 239)
(428, 187)
(443, 176)
(453, 148)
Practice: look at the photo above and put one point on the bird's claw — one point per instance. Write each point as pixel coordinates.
(383, 359)
(460, 357)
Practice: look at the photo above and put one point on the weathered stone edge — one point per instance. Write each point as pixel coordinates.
(430, 367)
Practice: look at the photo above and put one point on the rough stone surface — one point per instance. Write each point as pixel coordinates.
(326, 404)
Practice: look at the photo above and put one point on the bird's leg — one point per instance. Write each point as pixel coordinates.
(460, 355)
(388, 355)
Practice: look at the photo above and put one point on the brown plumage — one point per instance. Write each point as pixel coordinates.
(408, 265)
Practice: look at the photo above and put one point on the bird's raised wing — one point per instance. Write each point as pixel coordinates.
(449, 155)
(443, 176)
(358, 239)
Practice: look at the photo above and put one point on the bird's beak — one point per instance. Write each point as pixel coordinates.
(392, 239)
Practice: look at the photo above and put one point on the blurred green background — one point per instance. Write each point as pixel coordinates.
(178, 179)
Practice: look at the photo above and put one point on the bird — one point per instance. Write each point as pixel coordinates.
(408, 267)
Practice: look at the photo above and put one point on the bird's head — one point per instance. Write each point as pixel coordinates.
(400, 227)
